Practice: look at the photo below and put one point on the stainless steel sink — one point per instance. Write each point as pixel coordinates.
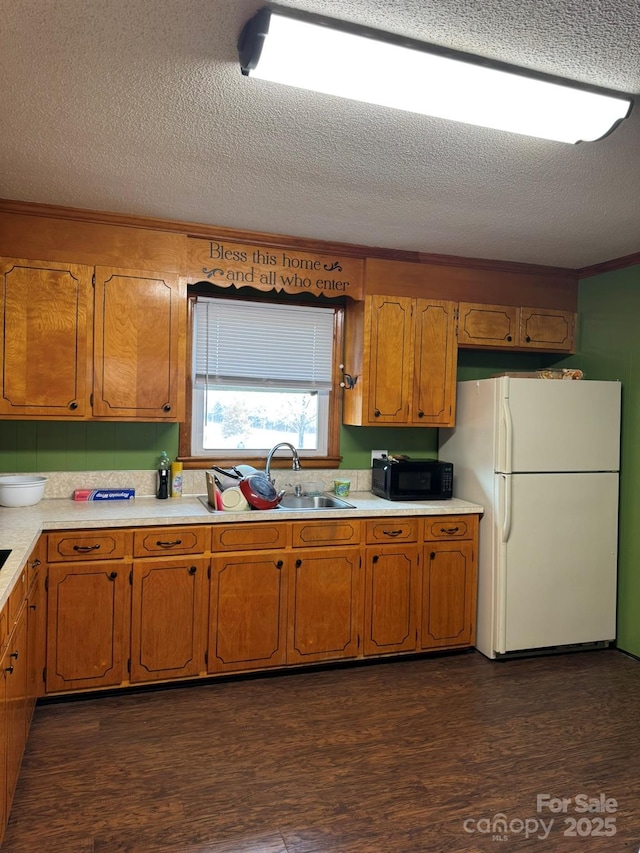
(307, 502)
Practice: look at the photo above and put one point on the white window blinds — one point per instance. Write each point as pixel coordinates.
(262, 344)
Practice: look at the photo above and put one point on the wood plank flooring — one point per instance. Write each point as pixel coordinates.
(409, 756)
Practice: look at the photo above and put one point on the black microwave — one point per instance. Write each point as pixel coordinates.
(412, 479)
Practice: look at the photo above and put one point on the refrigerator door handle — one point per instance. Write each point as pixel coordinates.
(508, 435)
(506, 507)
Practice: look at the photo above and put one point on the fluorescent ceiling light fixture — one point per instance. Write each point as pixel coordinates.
(336, 58)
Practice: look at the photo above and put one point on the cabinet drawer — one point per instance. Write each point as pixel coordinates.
(17, 599)
(249, 537)
(392, 530)
(151, 541)
(451, 527)
(335, 532)
(88, 545)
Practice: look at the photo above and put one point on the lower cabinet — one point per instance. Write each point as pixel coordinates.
(167, 598)
(15, 707)
(247, 627)
(449, 583)
(324, 605)
(86, 625)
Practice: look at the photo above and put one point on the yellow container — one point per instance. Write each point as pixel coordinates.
(176, 479)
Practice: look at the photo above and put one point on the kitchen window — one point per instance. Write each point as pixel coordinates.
(262, 373)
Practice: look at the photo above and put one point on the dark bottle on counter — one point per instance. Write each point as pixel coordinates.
(164, 476)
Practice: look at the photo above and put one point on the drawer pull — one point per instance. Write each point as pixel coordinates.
(449, 530)
(9, 669)
(35, 564)
(84, 549)
(14, 655)
(392, 532)
(169, 544)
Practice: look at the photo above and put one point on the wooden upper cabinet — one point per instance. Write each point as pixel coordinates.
(45, 314)
(496, 326)
(140, 345)
(542, 328)
(402, 353)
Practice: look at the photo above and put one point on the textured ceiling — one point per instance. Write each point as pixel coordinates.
(138, 106)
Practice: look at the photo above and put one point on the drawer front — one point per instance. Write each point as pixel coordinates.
(335, 532)
(451, 527)
(88, 545)
(249, 537)
(392, 530)
(152, 541)
(16, 599)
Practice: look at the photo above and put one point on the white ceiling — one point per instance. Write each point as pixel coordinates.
(138, 106)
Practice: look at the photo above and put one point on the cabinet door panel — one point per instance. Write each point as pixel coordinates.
(139, 345)
(492, 326)
(448, 595)
(45, 311)
(325, 603)
(86, 625)
(391, 598)
(16, 703)
(547, 329)
(247, 625)
(166, 619)
(434, 386)
(390, 358)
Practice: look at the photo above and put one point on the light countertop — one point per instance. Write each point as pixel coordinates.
(20, 527)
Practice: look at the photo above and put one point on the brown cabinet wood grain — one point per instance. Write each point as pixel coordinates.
(391, 599)
(16, 706)
(517, 328)
(167, 600)
(247, 628)
(448, 595)
(401, 352)
(139, 345)
(87, 627)
(167, 541)
(325, 605)
(88, 545)
(46, 314)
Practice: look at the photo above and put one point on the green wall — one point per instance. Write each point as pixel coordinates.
(609, 348)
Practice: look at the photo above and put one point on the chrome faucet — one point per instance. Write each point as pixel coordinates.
(296, 459)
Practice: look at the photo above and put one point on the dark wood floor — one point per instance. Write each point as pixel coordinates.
(402, 757)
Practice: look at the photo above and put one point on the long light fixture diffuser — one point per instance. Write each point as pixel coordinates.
(323, 55)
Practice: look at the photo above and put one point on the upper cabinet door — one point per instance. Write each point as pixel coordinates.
(434, 384)
(390, 358)
(543, 328)
(139, 350)
(491, 326)
(45, 312)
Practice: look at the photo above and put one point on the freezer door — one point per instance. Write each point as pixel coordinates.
(556, 538)
(547, 425)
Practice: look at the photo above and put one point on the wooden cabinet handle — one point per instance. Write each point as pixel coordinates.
(392, 532)
(84, 549)
(193, 570)
(449, 530)
(169, 544)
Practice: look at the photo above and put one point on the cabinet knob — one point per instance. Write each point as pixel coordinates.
(528, 339)
(509, 337)
(432, 555)
(193, 570)
(298, 563)
(113, 576)
(376, 413)
(73, 405)
(420, 414)
(166, 407)
(280, 564)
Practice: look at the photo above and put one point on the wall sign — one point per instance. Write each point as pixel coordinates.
(268, 268)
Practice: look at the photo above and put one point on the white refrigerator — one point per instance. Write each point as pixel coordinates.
(542, 457)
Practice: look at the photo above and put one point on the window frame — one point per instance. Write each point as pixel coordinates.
(331, 460)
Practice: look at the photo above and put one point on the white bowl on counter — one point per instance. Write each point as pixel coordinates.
(21, 490)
